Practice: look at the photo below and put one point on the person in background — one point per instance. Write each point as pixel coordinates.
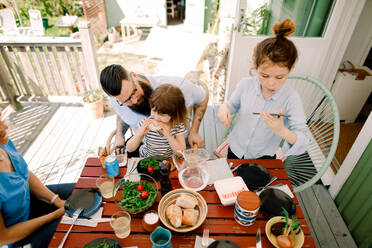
(259, 136)
(29, 211)
(164, 131)
(130, 93)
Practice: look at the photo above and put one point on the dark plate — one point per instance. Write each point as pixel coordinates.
(223, 243)
(254, 175)
(272, 201)
(90, 199)
(98, 241)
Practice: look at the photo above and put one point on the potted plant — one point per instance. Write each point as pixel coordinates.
(94, 100)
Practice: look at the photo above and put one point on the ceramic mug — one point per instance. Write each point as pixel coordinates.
(161, 238)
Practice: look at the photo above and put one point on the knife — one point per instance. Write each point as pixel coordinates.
(258, 238)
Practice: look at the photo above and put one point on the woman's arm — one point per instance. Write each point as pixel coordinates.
(21, 230)
(41, 192)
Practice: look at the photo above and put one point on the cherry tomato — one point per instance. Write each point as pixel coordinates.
(140, 187)
(144, 194)
(150, 169)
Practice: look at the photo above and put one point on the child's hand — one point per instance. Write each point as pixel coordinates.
(224, 115)
(144, 129)
(275, 124)
(164, 129)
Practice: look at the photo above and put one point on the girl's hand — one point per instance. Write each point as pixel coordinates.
(144, 129)
(164, 129)
(224, 115)
(275, 124)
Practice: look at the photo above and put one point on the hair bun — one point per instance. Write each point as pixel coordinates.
(284, 28)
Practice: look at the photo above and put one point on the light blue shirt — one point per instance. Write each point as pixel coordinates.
(250, 137)
(193, 93)
(14, 189)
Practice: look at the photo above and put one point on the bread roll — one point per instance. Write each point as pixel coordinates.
(154, 126)
(186, 201)
(189, 216)
(174, 214)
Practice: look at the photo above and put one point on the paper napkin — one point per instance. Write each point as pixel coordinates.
(218, 169)
(82, 221)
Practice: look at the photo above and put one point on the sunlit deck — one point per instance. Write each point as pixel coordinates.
(55, 139)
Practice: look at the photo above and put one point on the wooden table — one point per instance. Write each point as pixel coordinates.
(220, 220)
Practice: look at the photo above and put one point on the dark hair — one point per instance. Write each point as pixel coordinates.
(168, 99)
(111, 79)
(277, 49)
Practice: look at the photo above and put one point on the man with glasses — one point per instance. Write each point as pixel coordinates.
(130, 93)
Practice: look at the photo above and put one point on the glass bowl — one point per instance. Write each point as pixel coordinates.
(133, 198)
(194, 179)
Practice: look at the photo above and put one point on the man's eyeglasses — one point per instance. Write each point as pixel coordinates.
(126, 102)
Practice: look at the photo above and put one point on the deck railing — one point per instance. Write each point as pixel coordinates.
(48, 66)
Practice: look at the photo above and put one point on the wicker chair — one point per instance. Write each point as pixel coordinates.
(324, 124)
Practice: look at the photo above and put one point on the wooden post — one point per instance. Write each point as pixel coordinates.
(89, 51)
(8, 88)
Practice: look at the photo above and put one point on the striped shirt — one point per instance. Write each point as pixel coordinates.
(156, 144)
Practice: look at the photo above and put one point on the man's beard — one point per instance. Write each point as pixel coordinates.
(144, 106)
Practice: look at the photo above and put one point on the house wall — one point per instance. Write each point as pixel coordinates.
(355, 199)
(115, 13)
(361, 40)
(95, 13)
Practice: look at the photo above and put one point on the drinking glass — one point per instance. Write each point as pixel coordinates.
(120, 222)
(106, 184)
(122, 158)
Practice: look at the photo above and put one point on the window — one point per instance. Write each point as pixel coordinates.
(309, 16)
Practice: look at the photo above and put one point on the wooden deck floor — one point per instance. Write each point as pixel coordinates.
(55, 139)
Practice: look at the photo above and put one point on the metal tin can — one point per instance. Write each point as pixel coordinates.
(112, 166)
(246, 208)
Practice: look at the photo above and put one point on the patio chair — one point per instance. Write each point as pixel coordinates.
(36, 22)
(323, 121)
(9, 26)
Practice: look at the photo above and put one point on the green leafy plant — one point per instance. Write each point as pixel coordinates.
(257, 21)
(284, 240)
(92, 96)
(145, 163)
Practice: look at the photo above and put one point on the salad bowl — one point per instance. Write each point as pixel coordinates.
(135, 193)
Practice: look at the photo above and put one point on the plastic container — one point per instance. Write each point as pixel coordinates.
(229, 188)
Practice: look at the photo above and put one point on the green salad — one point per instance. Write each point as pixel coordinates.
(137, 195)
(146, 162)
(104, 244)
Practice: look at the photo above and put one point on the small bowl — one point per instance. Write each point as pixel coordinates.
(132, 181)
(99, 241)
(156, 173)
(170, 199)
(298, 240)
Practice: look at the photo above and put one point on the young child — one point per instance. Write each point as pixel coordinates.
(164, 131)
(259, 136)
